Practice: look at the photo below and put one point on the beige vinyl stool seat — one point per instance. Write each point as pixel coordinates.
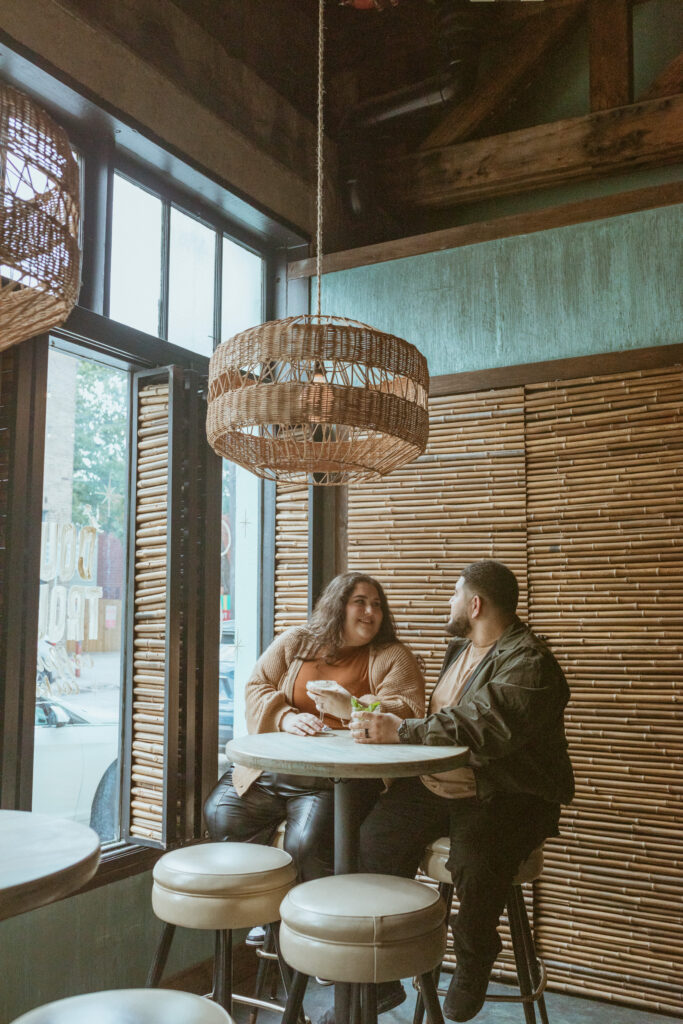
(362, 929)
(129, 1006)
(531, 973)
(219, 887)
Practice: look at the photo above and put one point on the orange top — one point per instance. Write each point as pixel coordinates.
(350, 671)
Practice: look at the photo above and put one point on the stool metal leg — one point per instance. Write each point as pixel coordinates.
(158, 964)
(263, 973)
(536, 970)
(222, 970)
(525, 985)
(295, 998)
(446, 894)
(354, 1006)
(431, 999)
(368, 1003)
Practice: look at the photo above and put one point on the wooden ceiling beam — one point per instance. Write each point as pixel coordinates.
(610, 53)
(597, 208)
(647, 134)
(523, 54)
(669, 82)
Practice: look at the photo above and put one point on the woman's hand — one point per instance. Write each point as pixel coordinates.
(301, 724)
(330, 697)
(374, 727)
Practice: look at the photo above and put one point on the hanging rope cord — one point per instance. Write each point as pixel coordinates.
(319, 196)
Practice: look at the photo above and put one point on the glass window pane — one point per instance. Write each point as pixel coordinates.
(82, 594)
(240, 597)
(242, 296)
(191, 284)
(226, 658)
(135, 292)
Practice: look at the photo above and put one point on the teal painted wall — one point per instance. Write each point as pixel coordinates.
(97, 940)
(604, 286)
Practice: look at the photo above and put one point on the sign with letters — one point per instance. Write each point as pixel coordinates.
(66, 551)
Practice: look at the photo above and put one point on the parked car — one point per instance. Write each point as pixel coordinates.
(71, 757)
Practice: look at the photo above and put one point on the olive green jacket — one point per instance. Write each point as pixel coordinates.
(511, 716)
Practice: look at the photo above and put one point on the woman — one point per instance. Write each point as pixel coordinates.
(350, 639)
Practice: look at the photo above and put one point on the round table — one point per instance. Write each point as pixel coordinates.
(337, 756)
(42, 859)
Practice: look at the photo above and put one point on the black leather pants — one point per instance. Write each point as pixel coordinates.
(306, 804)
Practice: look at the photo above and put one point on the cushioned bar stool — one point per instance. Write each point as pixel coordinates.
(362, 929)
(122, 1006)
(218, 886)
(531, 973)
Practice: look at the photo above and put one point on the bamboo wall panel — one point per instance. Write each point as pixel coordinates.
(291, 556)
(578, 487)
(464, 499)
(149, 629)
(605, 501)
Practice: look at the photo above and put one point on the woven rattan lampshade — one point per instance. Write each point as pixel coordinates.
(318, 399)
(40, 260)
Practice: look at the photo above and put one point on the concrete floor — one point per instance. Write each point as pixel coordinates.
(562, 1009)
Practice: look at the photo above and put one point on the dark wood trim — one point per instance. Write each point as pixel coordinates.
(562, 216)
(209, 626)
(22, 566)
(316, 545)
(610, 53)
(94, 294)
(526, 49)
(668, 82)
(597, 145)
(557, 369)
(121, 862)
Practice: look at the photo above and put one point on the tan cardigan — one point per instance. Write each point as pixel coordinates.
(395, 679)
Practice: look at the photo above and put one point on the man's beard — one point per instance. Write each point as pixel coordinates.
(459, 626)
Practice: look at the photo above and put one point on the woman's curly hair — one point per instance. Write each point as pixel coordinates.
(323, 634)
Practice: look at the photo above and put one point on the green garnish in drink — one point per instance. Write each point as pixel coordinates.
(358, 706)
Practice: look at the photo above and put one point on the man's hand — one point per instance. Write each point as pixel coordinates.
(301, 724)
(374, 727)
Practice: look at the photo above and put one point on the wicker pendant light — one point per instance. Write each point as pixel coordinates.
(40, 260)
(317, 398)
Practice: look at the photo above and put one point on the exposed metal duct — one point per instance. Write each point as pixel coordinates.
(459, 38)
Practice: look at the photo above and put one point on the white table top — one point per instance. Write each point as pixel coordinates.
(42, 859)
(336, 755)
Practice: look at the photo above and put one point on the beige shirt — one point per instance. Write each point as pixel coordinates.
(459, 782)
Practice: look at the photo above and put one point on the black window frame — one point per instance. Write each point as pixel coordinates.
(107, 145)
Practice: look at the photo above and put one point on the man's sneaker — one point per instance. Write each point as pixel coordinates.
(389, 995)
(467, 991)
(256, 936)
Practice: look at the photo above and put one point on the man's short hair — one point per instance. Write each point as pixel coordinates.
(494, 582)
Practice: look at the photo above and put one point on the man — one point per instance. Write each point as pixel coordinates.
(502, 694)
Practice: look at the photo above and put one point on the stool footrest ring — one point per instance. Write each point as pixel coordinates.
(496, 998)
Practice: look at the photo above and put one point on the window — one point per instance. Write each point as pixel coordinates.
(82, 593)
(178, 276)
(191, 284)
(135, 281)
(161, 259)
(242, 289)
